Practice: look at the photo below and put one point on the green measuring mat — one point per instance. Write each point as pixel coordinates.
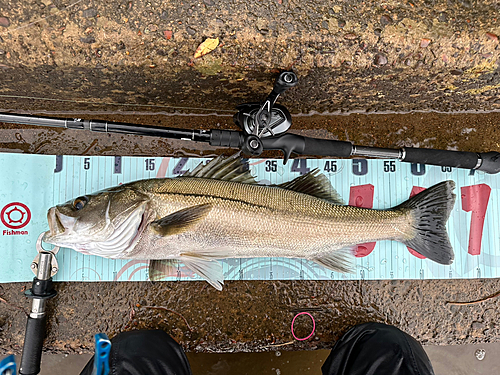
(31, 184)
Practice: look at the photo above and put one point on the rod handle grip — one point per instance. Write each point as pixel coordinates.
(488, 162)
(446, 158)
(33, 343)
(226, 138)
(326, 147)
(298, 144)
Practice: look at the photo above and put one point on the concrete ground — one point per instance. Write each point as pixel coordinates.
(417, 73)
(252, 316)
(131, 55)
(446, 360)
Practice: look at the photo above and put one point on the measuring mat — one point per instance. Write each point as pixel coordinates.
(31, 184)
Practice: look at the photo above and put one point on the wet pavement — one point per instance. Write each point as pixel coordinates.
(254, 316)
(371, 73)
(370, 56)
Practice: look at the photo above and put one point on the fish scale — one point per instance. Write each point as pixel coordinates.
(261, 221)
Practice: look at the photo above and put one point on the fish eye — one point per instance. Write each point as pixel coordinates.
(80, 202)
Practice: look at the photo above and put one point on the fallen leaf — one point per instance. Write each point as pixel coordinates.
(206, 47)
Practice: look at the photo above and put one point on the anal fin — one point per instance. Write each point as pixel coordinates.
(337, 260)
(209, 269)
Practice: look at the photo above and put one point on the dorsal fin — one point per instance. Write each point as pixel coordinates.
(314, 183)
(236, 169)
(232, 168)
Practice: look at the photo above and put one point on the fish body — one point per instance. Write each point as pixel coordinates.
(259, 221)
(218, 211)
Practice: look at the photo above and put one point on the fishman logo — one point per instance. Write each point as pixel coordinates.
(15, 216)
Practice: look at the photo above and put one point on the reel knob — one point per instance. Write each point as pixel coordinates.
(252, 145)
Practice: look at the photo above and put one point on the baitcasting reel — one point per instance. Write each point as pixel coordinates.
(267, 119)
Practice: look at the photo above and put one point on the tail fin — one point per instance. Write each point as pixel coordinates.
(431, 209)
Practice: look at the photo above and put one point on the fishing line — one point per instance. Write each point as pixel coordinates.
(112, 103)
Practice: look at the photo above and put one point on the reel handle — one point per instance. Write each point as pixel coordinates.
(285, 81)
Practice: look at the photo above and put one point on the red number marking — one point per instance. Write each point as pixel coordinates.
(362, 196)
(475, 198)
(162, 171)
(414, 191)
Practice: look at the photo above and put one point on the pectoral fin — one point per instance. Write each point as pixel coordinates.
(180, 221)
(160, 269)
(209, 269)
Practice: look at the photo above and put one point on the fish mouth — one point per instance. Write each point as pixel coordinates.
(114, 241)
(55, 225)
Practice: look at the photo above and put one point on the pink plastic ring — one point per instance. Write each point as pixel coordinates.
(314, 326)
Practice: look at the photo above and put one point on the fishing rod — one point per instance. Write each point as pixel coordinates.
(263, 127)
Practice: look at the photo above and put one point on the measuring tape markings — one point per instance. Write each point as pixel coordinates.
(477, 255)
